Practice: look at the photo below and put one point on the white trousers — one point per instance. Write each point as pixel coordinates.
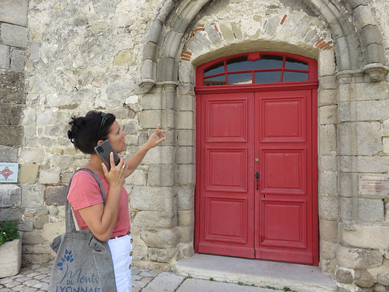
(121, 250)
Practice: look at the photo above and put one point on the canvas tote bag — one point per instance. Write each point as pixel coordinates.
(83, 263)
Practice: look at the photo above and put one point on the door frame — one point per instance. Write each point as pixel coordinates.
(311, 84)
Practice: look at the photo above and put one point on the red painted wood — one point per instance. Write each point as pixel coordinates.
(276, 123)
(224, 181)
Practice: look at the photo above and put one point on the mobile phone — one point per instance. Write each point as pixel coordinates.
(104, 150)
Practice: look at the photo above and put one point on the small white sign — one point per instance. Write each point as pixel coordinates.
(374, 185)
(9, 172)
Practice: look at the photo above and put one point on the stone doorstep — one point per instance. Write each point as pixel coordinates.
(301, 278)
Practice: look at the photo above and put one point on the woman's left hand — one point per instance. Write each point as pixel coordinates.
(156, 138)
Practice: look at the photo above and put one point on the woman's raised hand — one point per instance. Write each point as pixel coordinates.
(156, 138)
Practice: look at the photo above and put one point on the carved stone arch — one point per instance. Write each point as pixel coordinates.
(358, 42)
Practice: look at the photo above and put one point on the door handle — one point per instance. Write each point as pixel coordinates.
(257, 177)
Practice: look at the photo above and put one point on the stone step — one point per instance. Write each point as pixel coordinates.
(300, 278)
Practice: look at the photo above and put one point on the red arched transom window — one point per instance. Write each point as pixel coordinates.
(257, 68)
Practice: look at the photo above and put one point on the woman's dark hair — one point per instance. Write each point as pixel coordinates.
(86, 131)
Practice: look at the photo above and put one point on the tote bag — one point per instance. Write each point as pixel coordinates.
(83, 263)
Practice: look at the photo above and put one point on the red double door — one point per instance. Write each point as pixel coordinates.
(256, 192)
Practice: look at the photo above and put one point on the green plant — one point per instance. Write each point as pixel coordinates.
(8, 231)
(211, 279)
(270, 287)
(240, 283)
(287, 289)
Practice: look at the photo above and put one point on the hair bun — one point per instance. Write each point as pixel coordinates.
(72, 134)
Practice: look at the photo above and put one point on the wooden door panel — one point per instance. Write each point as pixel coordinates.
(283, 142)
(284, 171)
(226, 189)
(226, 169)
(226, 220)
(283, 119)
(226, 121)
(283, 223)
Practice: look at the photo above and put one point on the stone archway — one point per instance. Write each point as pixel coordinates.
(359, 56)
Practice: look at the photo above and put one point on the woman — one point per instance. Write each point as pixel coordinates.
(109, 222)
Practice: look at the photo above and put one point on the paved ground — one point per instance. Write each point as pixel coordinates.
(35, 278)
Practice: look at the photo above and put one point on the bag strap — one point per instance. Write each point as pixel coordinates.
(70, 226)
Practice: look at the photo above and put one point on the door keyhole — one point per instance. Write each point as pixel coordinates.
(257, 177)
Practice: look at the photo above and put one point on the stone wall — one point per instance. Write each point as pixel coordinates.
(13, 44)
(137, 59)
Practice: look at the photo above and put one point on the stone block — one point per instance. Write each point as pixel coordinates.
(213, 35)
(137, 178)
(12, 89)
(49, 176)
(371, 110)
(152, 199)
(185, 198)
(328, 140)
(33, 238)
(360, 138)
(151, 101)
(11, 214)
(363, 17)
(186, 155)
(370, 210)
(28, 173)
(150, 118)
(226, 32)
(10, 195)
(327, 82)
(40, 221)
(162, 175)
(364, 279)
(329, 207)
(328, 114)
(52, 230)
(168, 119)
(160, 238)
(186, 174)
(153, 219)
(10, 115)
(8, 154)
(56, 195)
(26, 226)
(371, 91)
(160, 155)
(328, 182)
(327, 250)
(186, 138)
(328, 163)
(14, 35)
(5, 58)
(17, 60)
(185, 120)
(185, 89)
(186, 102)
(348, 184)
(329, 231)
(346, 210)
(161, 255)
(11, 136)
(14, 11)
(186, 234)
(345, 276)
(186, 218)
(354, 258)
(368, 237)
(32, 195)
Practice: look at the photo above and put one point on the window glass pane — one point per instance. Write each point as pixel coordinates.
(218, 80)
(214, 69)
(242, 64)
(241, 78)
(270, 62)
(295, 76)
(295, 64)
(267, 77)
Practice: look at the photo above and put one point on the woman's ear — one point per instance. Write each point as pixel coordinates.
(99, 142)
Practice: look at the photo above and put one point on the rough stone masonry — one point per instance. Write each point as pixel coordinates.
(137, 59)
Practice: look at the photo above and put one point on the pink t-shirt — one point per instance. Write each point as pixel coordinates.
(85, 192)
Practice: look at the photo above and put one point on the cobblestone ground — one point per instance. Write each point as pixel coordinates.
(35, 278)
